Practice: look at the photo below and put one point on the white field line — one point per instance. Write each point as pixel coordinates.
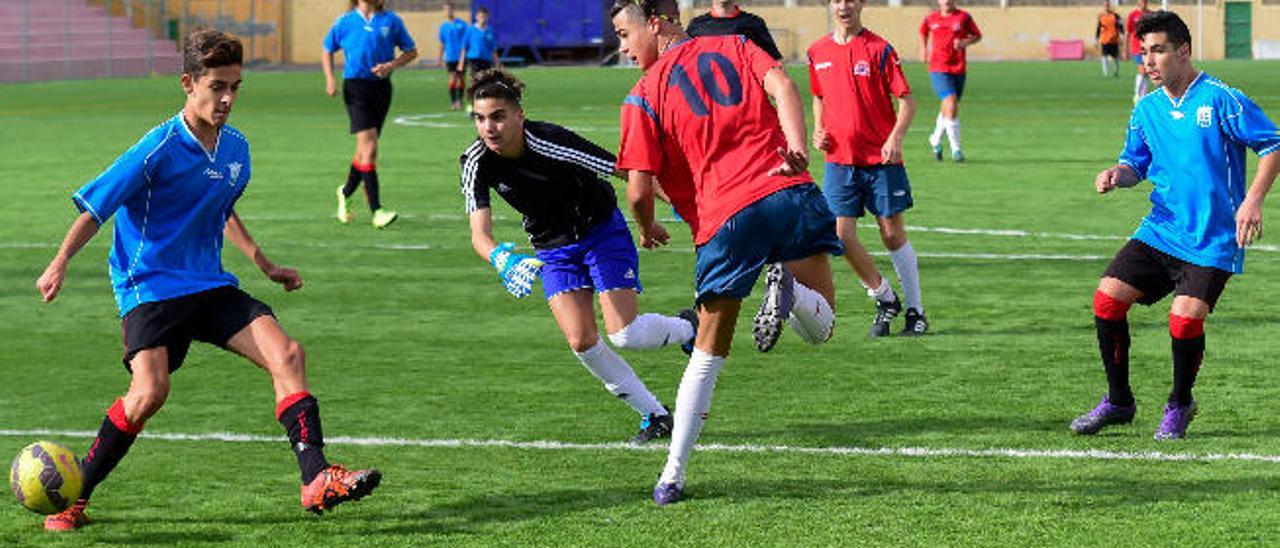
(547, 445)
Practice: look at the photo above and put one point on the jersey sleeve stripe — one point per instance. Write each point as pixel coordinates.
(84, 206)
(469, 169)
(569, 154)
(636, 100)
(1269, 150)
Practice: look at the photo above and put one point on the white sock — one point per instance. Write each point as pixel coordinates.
(812, 316)
(939, 126)
(953, 133)
(619, 379)
(884, 293)
(692, 403)
(904, 263)
(1104, 65)
(652, 331)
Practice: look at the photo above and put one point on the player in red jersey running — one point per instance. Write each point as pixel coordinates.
(1135, 49)
(945, 36)
(854, 76)
(700, 122)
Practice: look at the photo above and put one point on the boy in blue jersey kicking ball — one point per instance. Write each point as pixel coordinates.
(173, 195)
(1188, 139)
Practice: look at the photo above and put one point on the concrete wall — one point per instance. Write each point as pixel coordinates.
(1021, 33)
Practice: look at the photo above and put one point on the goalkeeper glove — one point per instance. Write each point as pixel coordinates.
(516, 271)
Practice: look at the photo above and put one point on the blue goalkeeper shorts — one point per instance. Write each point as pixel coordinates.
(946, 84)
(604, 260)
(791, 224)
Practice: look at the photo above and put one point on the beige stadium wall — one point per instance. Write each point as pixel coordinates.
(1021, 33)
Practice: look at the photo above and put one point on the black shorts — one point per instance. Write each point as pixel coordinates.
(1111, 50)
(211, 316)
(1156, 274)
(451, 67)
(368, 102)
(478, 65)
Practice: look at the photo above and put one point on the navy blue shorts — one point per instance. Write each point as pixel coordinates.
(946, 84)
(604, 260)
(788, 225)
(852, 190)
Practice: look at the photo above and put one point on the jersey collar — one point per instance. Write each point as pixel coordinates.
(212, 156)
(1177, 103)
(736, 11)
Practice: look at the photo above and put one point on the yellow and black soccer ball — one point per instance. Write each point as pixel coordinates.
(45, 477)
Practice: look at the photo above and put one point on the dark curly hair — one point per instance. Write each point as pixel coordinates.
(204, 49)
(495, 84)
(1167, 22)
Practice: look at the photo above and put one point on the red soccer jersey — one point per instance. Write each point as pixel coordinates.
(1131, 29)
(856, 82)
(700, 119)
(943, 31)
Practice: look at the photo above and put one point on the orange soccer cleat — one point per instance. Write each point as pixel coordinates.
(68, 520)
(336, 485)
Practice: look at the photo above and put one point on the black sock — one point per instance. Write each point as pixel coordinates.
(371, 189)
(108, 448)
(453, 95)
(1187, 355)
(301, 420)
(353, 181)
(1113, 346)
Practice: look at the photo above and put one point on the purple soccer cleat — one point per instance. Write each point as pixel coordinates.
(1105, 414)
(667, 493)
(1176, 419)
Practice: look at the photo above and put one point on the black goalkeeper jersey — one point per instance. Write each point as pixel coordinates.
(556, 184)
(746, 24)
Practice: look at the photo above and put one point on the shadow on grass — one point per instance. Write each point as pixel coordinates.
(863, 432)
(472, 515)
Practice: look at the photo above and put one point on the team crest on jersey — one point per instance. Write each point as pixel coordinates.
(862, 68)
(386, 31)
(235, 172)
(1204, 116)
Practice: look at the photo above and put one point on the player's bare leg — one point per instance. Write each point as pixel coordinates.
(716, 318)
(893, 233)
(575, 314)
(1111, 304)
(148, 390)
(324, 485)
(855, 254)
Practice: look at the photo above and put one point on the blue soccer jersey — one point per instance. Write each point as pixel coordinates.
(173, 198)
(481, 42)
(452, 35)
(1192, 150)
(366, 43)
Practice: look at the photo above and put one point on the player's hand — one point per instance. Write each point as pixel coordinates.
(462, 66)
(1248, 223)
(330, 87)
(1107, 180)
(50, 283)
(794, 162)
(287, 277)
(891, 152)
(516, 271)
(820, 139)
(653, 236)
(960, 44)
(382, 70)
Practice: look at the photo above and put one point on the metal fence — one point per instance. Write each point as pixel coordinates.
(65, 39)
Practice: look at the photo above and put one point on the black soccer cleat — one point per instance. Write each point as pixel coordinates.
(691, 316)
(652, 427)
(885, 313)
(916, 324)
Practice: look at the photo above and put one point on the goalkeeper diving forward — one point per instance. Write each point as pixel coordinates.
(552, 176)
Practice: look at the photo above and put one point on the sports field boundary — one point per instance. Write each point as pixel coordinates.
(549, 445)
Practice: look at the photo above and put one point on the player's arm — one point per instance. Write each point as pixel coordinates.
(974, 36)
(820, 139)
(482, 232)
(1120, 175)
(516, 271)
(82, 230)
(791, 116)
(924, 43)
(239, 236)
(383, 70)
(891, 152)
(326, 63)
(1249, 216)
(641, 187)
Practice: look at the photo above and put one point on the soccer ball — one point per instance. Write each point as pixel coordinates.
(45, 477)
